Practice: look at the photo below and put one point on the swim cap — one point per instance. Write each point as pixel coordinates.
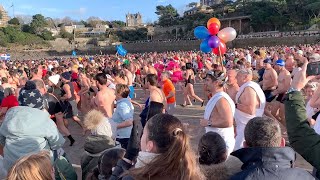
(280, 62)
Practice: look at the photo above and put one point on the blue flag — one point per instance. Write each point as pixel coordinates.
(74, 53)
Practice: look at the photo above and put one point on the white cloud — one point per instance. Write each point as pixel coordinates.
(80, 11)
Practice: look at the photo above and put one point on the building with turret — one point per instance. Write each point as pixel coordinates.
(210, 2)
(4, 18)
(133, 20)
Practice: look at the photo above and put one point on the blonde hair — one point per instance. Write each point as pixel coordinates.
(95, 121)
(92, 119)
(9, 91)
(35, 167)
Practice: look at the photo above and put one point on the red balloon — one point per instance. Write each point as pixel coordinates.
(213, 28)
(222, 47)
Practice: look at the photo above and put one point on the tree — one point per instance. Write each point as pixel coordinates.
(84, 23)
(38, 24)
(93, 21)
(14, 21)
(65, 34)
(118, 24)
(168, 15)
(47, 35)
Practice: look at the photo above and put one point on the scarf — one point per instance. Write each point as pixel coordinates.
(144, 158)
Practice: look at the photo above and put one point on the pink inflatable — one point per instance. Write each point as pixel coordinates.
(176, 76)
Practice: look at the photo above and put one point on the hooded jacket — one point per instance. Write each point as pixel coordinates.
(269, 164)
(94, 147)
(27, 130)
(222, 171)
(302, 137)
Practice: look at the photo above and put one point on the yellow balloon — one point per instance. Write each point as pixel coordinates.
(214, 20)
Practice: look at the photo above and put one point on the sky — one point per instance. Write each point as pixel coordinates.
(83, 9)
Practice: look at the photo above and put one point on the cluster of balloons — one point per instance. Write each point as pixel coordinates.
(121, 51)
(213, 39)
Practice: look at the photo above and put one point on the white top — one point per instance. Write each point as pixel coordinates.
(258, 90)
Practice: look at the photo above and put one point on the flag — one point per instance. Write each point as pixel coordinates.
(74, 53)
(5, 57)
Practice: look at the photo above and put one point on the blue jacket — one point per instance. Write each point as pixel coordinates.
(27, 130)
(269, 164)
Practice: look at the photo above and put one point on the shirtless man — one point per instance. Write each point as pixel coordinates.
(284, 82)
(270, 80)
(104, 100)
(232, 86)
(219, 112)
(290, 63)
(250, 103)
(5, 83)
(3, 70)
(36, 72)
(151, 69)
(129, 76)
(259, 64)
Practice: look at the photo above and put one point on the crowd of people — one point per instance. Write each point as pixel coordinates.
(252, 98)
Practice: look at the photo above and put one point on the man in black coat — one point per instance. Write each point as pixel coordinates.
(265, 156)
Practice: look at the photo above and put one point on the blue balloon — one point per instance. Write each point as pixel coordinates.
(204, 46)
(201, 32)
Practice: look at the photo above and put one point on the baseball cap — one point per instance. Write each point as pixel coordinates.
(300, 52)
(280, 62)
(267, 61)
(66, 75)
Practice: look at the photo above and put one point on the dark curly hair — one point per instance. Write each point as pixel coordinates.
(212, 149)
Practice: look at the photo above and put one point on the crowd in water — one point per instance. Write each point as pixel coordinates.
(252, 97)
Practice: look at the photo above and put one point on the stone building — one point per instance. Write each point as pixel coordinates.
(4, 18)
(133, 20)
(210, 2)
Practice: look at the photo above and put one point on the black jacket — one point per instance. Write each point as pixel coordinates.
(269, 164)
(94, 146)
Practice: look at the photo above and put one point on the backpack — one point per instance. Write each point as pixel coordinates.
(63, 167)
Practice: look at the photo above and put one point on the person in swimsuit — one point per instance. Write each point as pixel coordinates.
(68, 99)
(189, 90)
(83, 93)
(157, 101)
(284, 82)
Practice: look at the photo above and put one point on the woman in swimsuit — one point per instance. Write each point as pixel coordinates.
(189, 90)
(83, 93)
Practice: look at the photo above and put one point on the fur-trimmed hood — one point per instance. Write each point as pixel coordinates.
(222, 171)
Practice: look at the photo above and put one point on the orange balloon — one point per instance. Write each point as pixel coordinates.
(214, 20)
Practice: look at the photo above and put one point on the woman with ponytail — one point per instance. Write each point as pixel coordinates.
(165, 152)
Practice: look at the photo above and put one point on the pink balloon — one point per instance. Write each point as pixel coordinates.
(227, 34)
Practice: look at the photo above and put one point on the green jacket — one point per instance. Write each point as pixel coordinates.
(302, 137)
